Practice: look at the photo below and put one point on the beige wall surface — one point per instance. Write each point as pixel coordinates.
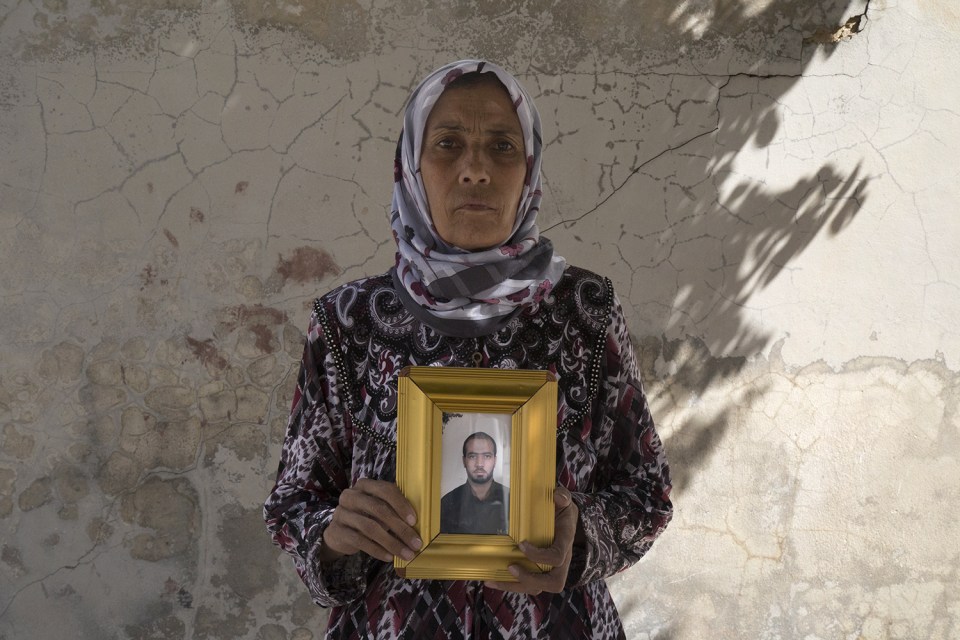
(772, 186)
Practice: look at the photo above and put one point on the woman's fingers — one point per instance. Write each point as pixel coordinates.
(390, 494)
(553, 555)
(384, 504)
(558, 554)
(564, 531)
(369, 535)
(375, 518)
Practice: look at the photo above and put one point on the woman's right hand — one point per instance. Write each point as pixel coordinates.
(375, 518)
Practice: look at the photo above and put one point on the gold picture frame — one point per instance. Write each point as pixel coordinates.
(530, 397)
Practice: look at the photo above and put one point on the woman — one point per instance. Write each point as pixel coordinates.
(474, 284)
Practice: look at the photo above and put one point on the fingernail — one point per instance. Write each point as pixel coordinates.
(407, 555)
(416, 543)
(524, 546)
(411, 520)
(514, 571)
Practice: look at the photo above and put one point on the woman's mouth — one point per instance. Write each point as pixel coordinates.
(475, 206)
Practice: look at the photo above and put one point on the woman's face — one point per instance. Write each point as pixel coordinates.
(473, 165)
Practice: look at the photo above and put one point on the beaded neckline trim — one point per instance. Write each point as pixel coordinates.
(353, 404)
(333, 346)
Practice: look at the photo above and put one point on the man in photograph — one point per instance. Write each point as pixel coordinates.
(480, 505)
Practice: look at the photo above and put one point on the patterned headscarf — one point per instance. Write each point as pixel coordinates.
(457, 292)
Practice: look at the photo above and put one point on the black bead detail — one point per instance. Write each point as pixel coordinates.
(333, 346)
(595, 364)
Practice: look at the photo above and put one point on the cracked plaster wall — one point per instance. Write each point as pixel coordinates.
(770, 185)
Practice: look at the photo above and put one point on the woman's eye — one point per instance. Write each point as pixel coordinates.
(503, 145)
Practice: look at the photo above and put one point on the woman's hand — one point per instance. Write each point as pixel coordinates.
(372, 517)
(558, 554)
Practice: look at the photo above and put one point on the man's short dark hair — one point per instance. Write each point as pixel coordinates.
(482, 436)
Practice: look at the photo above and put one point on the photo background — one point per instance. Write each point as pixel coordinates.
(456, 431)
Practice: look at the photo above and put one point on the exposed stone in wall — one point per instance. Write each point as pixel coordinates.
(36, 495)
(170, 509)
(7, 479)
(15, 444)
(249, 567)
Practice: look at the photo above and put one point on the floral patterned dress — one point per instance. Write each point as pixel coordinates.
(343, 427)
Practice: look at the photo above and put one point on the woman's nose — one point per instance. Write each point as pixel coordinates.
(474, 169)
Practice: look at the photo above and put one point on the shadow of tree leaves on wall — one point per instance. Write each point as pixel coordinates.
(728, 237)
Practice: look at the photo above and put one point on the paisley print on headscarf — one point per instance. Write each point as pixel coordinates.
(457, 292)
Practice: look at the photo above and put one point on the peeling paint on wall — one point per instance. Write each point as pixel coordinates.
(307, 264)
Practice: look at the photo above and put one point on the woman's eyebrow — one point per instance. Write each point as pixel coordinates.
(449, 126)
(500, 130)
(506, 132)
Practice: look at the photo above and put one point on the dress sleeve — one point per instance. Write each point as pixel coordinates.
(315, 465)
(627, 504)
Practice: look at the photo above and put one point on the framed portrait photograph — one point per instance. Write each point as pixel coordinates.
(476, 457)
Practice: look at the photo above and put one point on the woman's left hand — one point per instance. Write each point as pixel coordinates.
(557, 555)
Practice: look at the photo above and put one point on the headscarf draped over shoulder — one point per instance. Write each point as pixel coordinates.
(457, 292)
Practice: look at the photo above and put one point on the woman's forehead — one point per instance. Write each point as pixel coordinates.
(490, 102)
